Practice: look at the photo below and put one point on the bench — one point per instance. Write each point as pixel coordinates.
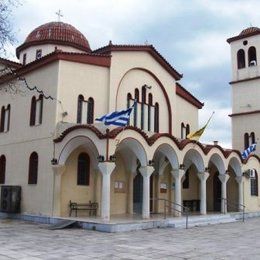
(91, 207)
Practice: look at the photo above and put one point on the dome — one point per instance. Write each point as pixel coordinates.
(249, 31)
(56, 33)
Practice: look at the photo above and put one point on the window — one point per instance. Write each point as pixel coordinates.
(241, 62)
(150, 104)
(36, 111)
(2, 169)
(156, 118)
(183, 130)
(252, 56)
(246, 140)
(33, 168)
(24, 58)
(254, 184)
(186, 182)
(38, 54)
(252, 137)
(85, 110)
(5, 119)
(136, 107)
(143, 106)
(83, 169)
(187, 130)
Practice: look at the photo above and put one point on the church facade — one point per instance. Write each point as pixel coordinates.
(51, 146)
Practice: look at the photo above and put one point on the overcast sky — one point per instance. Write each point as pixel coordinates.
(190, 34)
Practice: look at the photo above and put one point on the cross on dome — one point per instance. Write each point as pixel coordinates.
(59, 14)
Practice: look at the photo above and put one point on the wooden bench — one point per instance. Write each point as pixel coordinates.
(91, 207)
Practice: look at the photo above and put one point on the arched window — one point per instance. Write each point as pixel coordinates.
(241, 62)
(36, 110)
(156, 118)
(150, 103)
(136, 107)
(33, 168)
(246, 140)
(83, 169)
(183, 130)
(254, 184)
(2, 169)
(90, 117)
(5, 118)
(187, 130)
(252, 61)
(186, 182)
(143, 106)
(252, 138)
(2, 128)
(79, 112)
(129, 97)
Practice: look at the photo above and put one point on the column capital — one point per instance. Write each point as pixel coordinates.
(146, 171)
(106, 168)
(239, 179)
(59, 168)
(203, 176)
(223, 178)
(177, 173)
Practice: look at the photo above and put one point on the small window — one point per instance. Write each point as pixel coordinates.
(186, 182)
(38, 54)
(187, 130)
(2, 169)
(156, 118)
(183, 130)
(5, 119)
(246, 140)
(24, 59)
(241, 63)
(83, 169)
(90, 117)
(36, 111)
(254, 184)
(33, 168)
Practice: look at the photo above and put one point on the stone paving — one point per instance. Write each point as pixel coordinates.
(23, 240)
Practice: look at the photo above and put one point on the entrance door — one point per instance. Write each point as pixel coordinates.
(217, 192)
(138, 193)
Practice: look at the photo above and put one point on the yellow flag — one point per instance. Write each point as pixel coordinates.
(196, 135)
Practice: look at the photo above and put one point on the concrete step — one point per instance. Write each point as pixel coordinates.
(194, 221)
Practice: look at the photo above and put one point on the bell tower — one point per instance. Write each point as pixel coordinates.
(245, 83)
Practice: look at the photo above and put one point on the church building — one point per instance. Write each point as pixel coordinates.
(52, 147)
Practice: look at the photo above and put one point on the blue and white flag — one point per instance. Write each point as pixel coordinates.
(118, 118)
(249, 150)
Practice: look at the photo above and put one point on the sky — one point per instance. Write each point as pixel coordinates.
(190, 34)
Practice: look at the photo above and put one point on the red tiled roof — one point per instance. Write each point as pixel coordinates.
(250, 31)
(57, 33)
(10, 63)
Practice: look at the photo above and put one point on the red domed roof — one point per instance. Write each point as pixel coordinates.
(249, 31)
(57, 33)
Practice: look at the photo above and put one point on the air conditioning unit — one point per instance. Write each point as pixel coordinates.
(10, 199)
(252, 173)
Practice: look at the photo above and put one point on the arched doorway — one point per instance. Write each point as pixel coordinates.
(216, 192)
(138, 193)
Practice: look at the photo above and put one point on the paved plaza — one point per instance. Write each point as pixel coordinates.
(23, 240)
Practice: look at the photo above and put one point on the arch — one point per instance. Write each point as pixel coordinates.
(218, 162)
(193, 157)
(76, 142)
(83, 171)
(90, 117)
(33, 111)
(167, 151)
(79, 108)
(33, 168)
(160, 85)
(254, 184)
(235, 165)
(252, 60)
(133, 146)
(2, 169)
(241, 62)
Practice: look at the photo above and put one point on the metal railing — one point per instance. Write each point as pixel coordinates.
(233, 205)
(173, 206)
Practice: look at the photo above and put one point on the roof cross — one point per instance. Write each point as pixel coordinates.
(59, 15)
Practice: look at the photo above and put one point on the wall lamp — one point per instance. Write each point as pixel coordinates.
(101, 158)
(151, 163)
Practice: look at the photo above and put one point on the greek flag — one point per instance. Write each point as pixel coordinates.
(249, 150)
(118, 118)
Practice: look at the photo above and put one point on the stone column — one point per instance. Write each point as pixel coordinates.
(178, 174)
(239, 180)
(203, 176)
(130, 192)
(146, 172)
(106, 169)
(58, 170)
(223, 178)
